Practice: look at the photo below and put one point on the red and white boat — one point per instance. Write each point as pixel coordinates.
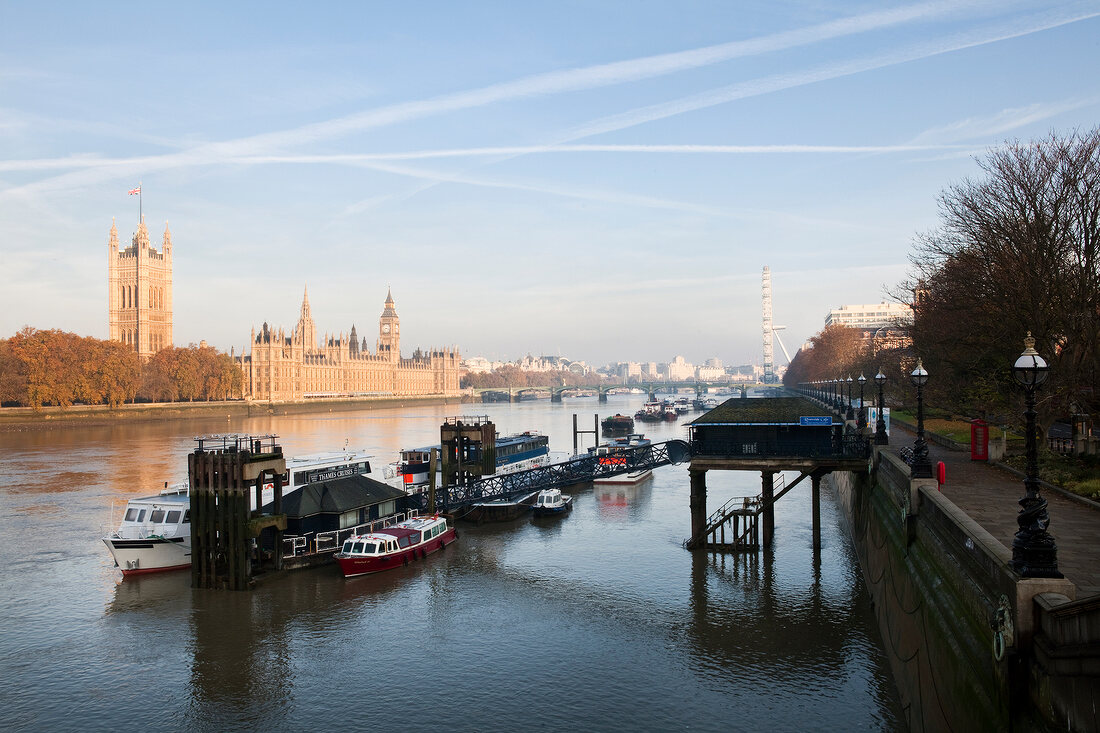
(413, 539)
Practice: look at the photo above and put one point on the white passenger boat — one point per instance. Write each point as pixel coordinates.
(155, 531)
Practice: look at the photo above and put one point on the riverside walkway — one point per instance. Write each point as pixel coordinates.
(988, 494)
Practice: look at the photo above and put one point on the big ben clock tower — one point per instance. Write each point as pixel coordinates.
(389, 331)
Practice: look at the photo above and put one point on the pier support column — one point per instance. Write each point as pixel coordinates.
(767, 495)
(698, 502)
(603, 396)
(815, 481)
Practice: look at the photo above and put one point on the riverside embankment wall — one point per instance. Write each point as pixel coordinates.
(972, 646)
(26, 418)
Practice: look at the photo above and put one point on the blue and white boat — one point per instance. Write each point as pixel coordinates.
(513, 453)
(552, 502)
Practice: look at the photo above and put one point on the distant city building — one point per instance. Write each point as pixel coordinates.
(714, 361)
(883, 325)
(139, 291)
(629, 370)
(680, 370)
(549, 364)
(877, 315)
(479, 365)
(710, 373)
(293, 366)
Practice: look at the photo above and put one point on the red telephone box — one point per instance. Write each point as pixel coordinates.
(979, 440)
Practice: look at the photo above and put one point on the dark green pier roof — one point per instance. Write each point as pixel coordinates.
(762, 411)
(336, 496)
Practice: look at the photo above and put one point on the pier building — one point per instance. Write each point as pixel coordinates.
(288, 366)
(139, 291)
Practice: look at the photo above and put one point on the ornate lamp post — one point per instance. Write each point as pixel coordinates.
(1034, 554)
(850, 414)
(862, 410)
(881, 438)
(921, 466)
(838, 392)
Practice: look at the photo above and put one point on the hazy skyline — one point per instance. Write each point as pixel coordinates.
(603, 181)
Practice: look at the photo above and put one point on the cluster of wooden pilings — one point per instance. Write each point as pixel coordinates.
(225, 527)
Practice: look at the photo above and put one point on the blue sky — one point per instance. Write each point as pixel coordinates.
(600, 180)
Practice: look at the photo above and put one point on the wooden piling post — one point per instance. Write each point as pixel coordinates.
(815, 482)
(220, 482)
(698, 502)
(433, 461)
(767, 495)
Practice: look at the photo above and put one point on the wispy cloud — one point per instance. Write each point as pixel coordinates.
(570, 80)
(1007, 120)
(90, 170)
(1005, 30)
(573, 192)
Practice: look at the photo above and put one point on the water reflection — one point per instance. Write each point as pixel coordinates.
(644, 634)
(622, 502)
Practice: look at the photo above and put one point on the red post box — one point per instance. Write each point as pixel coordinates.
(979, 440)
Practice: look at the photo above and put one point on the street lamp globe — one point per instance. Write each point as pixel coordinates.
(880, 422)
(1030, 369)
(921, 467)
(919, 376)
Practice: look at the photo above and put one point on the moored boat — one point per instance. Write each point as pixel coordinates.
(154, 534)
(396, 546)
(650, 412)
(551, 502)
(617, 425)
(500, 510)
(607, 454)
(513, 453)
(155, 531)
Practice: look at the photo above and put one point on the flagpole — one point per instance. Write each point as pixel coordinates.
(141, 216)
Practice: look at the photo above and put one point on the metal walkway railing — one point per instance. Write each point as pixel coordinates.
(559, 475)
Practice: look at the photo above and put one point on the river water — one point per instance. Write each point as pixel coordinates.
(596, 621)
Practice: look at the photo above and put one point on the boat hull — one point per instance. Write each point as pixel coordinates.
(545, 511)
(628, 478)
(500, 511)
(149, 555)
(355, 566)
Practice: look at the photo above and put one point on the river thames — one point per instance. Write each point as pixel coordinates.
(598, 621)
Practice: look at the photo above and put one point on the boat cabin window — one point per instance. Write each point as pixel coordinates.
(370, 548)
(347, 547)
(133, 514)
(187, 517)
(173, 517)
(157, 516)
(403, 541)
(358, 548)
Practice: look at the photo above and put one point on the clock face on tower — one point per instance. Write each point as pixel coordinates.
(385, 328)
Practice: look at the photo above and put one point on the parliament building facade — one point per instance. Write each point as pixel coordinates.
(139, 291)
(295, 366)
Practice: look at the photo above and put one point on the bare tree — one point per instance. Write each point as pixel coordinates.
(1016, 252)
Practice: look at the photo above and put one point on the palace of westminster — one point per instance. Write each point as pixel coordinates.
(281, 366)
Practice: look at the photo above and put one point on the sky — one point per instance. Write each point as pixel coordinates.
(603, 181)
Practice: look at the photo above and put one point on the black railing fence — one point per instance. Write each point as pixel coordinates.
(558, 475)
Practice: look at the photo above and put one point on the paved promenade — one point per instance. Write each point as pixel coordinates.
(989, 495)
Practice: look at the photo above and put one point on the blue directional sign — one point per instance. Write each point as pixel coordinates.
(815, 420)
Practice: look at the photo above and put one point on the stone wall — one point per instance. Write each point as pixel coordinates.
(957, 623)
